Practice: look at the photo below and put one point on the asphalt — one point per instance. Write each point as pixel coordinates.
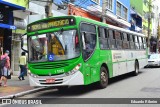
(16, 88)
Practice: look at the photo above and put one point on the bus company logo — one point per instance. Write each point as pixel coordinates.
(117, 56)
(49, 74)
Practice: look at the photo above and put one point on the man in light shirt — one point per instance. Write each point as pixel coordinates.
(22, 62)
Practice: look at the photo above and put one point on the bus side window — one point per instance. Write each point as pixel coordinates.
(88, 39)
(132, 45)
(125, 41)
(103, 39)
(140, 42)
(144, 43)
(136, 42)
(112, 39)
(118, 39)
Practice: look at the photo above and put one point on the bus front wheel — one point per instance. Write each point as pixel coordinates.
(103, 78)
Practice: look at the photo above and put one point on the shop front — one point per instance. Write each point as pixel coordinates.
(7, 25)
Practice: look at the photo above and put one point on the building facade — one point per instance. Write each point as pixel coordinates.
(136, 15)
(117, 11)
(156, 21)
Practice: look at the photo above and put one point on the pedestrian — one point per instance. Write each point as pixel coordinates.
(22, 64)
(5, 69)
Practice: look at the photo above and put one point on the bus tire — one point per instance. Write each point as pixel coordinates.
(103, 78)
(136, 71)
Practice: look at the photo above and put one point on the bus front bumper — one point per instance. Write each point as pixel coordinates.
(59, 80)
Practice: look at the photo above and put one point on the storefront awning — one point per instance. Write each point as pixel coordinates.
(10, 5)
(7, 26)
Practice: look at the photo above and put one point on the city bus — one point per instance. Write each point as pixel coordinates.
(73, 50)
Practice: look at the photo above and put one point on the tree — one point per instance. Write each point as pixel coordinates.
(158, 36)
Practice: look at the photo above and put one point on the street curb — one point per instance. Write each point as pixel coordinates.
(24, 93)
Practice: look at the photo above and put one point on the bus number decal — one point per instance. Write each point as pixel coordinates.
(60, 71)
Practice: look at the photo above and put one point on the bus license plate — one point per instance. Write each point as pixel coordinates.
(51, 80)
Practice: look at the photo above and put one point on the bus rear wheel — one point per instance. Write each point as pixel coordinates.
(136, 71)
(103, 78)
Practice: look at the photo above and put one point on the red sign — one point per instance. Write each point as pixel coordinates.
(51, 80)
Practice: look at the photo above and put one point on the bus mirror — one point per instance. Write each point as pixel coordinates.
(22, 43)
(83, 41)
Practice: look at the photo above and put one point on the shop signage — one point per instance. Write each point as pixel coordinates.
(7, 26)
(20, 23)
(3, 17)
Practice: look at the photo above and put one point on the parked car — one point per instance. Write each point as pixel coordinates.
(154, 60)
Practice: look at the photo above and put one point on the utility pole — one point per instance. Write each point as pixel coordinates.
(48, 8)
(149, 21)
(104, 6)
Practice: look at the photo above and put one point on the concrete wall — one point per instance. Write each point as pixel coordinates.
(138, 6)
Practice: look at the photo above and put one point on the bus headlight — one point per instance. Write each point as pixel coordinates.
(33, 75)
(75, 69)
(29, 72)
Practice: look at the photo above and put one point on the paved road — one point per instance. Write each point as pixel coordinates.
(145, 85)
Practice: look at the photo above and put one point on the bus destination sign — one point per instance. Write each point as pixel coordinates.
(50, 24)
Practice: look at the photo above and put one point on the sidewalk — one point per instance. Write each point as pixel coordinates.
(16, 88)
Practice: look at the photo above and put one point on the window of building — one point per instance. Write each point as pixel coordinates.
(109, 4)
(121, 11)
(96, 1)
(125, 13)
(118, 9)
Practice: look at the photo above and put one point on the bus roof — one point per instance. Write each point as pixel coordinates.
(110, 26)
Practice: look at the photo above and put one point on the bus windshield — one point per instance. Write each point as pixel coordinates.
(55, 46)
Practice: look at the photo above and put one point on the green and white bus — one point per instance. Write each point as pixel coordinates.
(72, 50)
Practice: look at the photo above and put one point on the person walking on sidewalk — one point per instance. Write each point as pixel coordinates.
(6, 68)
(22, 62)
